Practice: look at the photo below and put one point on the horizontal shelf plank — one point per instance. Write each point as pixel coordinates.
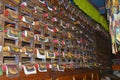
(116, 67)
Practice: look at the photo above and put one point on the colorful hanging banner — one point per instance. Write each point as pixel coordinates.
(113, 14)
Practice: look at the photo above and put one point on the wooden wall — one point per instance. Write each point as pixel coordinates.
(104, 52)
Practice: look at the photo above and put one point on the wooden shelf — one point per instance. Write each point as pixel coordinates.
(56, 75)
(116, 67)
(47, 27)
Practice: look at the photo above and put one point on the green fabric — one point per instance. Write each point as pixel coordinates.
(92, 12)
(19, 34)
(1, 71)
(0, 27)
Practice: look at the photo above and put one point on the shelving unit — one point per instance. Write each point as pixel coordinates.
(49, 33)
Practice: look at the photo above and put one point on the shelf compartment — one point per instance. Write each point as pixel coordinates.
(40, 53)
(27, 51)
(12, 33)
(37, 28)
(47, 45)
(10, 54)
(47, 34)
(15, 1)
(11, 49)
(26, 10)
(56, 35)
(24, 25)
(11, 13)
(37, 60)
(56, 42)
(10, 24)
(27, 36)
(23, 28)
(27, 19)
(38, 45)
(10, 3)
(37, 16)
(1, 6)
(10, 59)
(42, 24)
(1, 24)
(50, 54)
(37, 31)
(25, 59)
(25, 44)
(1, 38)
(57, 54)
(36, 3)
(41, 38)
(9, 42)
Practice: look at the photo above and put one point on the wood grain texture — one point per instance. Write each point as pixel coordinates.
(116, 67)
(76, 74)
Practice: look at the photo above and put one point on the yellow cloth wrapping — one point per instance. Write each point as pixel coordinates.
(92, 12)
